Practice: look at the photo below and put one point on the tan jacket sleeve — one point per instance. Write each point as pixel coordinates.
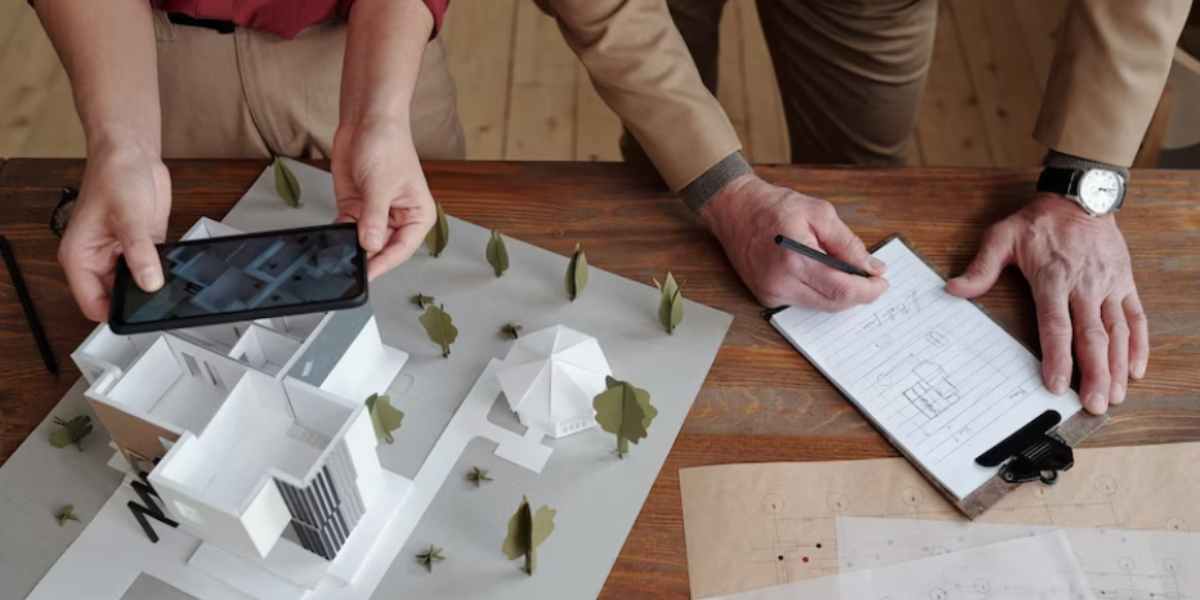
(1108, 74)
(641, 68)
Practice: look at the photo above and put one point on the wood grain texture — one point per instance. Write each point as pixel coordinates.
(541, 114)
(479, 40)
(597, 127)
(764, 108)
(762, 401)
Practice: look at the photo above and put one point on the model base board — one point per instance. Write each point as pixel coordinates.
(457, 418)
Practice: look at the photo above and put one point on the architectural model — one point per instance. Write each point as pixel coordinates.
(255, 437)
(550, 378)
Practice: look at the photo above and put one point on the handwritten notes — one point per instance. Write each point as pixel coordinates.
(939, 377)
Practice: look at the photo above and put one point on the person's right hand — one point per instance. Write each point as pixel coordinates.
(748, 213)
(123, 206)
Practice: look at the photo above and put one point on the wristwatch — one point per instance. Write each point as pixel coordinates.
(1097, 191)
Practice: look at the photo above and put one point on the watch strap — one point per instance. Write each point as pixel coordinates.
(1058, 180)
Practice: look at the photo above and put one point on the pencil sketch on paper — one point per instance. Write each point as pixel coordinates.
(932, 392)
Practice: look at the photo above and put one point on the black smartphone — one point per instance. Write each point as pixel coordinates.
(244, 277)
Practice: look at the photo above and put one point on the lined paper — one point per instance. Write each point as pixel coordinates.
(932, 371)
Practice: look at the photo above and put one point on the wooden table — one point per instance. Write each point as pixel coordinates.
(762, 401)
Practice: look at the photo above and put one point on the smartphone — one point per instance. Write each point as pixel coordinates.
(244, 277)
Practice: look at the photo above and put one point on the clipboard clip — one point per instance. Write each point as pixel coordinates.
(1032, 452)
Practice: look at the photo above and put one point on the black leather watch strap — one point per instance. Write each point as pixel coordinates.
(1058, 181)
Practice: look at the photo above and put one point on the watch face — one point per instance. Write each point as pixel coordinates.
(1100, 190)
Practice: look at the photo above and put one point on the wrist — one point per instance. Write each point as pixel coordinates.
(115, 141)
(721, 205)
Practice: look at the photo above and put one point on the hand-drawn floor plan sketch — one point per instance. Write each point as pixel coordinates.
(736, 516)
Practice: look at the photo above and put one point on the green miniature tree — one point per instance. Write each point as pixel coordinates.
(438, 237)
(577, 273)
(497, 254)
(71, 432)
(526, 531)
(440, 327)
(421, 300)
(66, 513)
(384, 417)
(478, 476)
(624, 410)
(286, 184)
(670, 307)
(429, 556)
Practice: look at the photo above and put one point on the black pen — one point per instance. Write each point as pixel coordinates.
(821, 257)
(35, 324)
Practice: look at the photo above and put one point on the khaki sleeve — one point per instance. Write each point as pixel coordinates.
(641, 68)
(1108, 74)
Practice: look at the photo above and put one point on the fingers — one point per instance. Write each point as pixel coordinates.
(1091, 348)
(1139, 335)
(137, 245)
(838, 290)
(1054, 332)
(837, 240)
(994, 254)
(1118, 348)
(400, 247)
(373, 220)
(87, 286)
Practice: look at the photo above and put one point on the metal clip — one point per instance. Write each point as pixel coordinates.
(1043, 460)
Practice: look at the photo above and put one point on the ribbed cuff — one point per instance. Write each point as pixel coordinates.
(697, 193)
(1061, 160)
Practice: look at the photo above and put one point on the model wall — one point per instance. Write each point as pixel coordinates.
(145, 383)
(314, 409)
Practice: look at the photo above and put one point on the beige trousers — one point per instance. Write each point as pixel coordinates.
(249, 94)
(851, 72)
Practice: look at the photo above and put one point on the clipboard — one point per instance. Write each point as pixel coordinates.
(1038, 451)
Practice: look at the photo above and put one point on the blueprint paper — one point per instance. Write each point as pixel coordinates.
(1025, 568)
(447, 430)
(1117, 563)
(740, 519)
(938, 376)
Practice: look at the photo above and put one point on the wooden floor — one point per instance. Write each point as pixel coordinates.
(522, 94)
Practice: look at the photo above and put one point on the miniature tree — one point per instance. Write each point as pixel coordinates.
(384, 417)
(670, 306)
(66, 513)
(577, 273)
(286, 184)
(478, 476)
(429, 556)
(624, 410)
(71, 432)
(526, 531)
(438, 237)
(421, 300)
(440, 327)
(497, 254)
(511, 330)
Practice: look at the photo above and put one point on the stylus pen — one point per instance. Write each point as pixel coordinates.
(35, 324)
(821, 257)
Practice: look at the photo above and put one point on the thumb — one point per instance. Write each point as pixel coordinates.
(137, 245)
(373, 220)
(994, 254)
(837, 239)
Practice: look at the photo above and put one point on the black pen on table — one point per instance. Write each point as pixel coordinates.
(825, 259)
(35, 324)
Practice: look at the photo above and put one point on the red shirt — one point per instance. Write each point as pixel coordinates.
(282, 17)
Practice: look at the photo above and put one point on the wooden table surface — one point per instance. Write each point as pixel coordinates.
(762, 401)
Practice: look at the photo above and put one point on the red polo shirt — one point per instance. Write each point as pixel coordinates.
(282, 17)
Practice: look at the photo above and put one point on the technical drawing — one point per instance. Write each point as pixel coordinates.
(933, 392)
(910, 305)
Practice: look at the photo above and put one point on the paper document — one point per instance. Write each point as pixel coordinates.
(934, 373)
(1028, 567)
(1117, 563)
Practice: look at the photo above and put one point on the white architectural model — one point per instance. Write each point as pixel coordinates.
(550, 378)
(256, 438)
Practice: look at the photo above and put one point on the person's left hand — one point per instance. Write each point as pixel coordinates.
(1079, 269)
(379, 184)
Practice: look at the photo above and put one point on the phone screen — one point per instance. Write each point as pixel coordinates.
(244, 277)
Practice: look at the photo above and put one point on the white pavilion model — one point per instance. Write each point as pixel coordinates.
(249, 430)
(550, 378)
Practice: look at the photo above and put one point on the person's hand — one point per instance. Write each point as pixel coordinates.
(123, 206)
(379, 184)
(1079, 269)
(748, 213)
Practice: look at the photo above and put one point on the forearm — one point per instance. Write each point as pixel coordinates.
(110, 57)
(384, 46)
